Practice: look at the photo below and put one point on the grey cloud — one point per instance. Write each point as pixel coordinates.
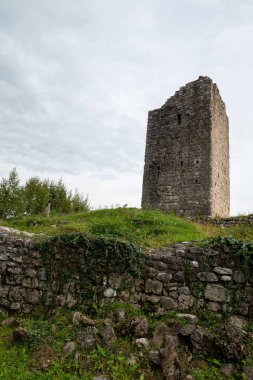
(78, 78)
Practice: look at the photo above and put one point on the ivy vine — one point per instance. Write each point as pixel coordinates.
(86, 260)
(242, 251)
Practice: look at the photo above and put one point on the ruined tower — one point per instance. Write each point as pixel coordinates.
(187, 153)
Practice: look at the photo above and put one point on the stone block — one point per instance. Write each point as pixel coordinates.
(30, 272)
(27, 282)
(185, 302)
(216, 293)
(239, 277)
(153, 287)
(158, 265)
(207, 277)
(202, 341)
(223, 271)
(15, 294)
(4, 290)
(226, 278)
(174, 294)
(184, 290)
(110, 293)
(159, 334)
(33, 296)
(15, 306)
(14, 270)
(153, 299)
(115, 281)
(164, 277)
(179, 277)
(168, 303)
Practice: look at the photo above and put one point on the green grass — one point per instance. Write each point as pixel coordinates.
(146, 228)
(21, 361)
(210, 373)
(49, 332)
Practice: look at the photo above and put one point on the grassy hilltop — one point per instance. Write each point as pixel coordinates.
(146, 228)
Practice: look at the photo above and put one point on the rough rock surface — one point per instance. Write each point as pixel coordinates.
(137, 326)
(232, 340)
(202, 340)
(173, 278)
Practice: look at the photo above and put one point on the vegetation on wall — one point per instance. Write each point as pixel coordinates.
(90, 259)
(239, 247)
(242, 251)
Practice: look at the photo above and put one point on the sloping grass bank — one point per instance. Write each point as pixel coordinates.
(146, 228)
(143, 227)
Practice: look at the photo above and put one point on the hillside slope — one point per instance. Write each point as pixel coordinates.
(146, 228)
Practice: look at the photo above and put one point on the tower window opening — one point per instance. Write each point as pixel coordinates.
(179, 118)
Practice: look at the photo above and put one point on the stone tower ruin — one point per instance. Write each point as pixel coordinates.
(187, 153)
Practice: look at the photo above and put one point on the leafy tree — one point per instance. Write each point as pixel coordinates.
(33, 197)
(11, 196)
(79, 203)
(60, 197)
(36, 195)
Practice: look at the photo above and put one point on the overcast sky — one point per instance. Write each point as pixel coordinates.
(78, 77)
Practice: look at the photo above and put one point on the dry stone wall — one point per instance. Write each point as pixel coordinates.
(181, 277)
(22, 274)
(220, 186)
(227, 222)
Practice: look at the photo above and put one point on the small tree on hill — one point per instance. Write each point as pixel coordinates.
(60, 197)
(11, 196)
(79, 203)
(36, 195)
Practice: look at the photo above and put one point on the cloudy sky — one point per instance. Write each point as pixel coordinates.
(77, 78)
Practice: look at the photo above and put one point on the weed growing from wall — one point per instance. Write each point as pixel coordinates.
(242, 252)
(83, 263)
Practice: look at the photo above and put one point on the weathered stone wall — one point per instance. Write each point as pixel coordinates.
(179, 277)
(187, 160)
(184, 275)
(227, 222)
(220, 185)
(22, 274)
